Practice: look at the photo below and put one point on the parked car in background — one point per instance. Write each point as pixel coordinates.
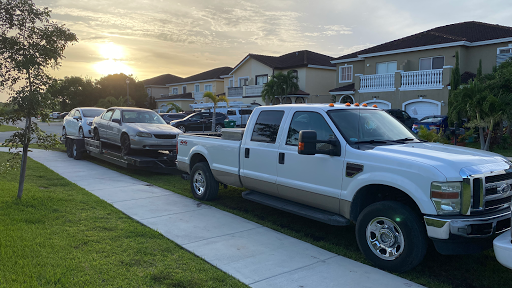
(168, 117)
(135, 128)
(437, 122)
(54, 115)
(79, 120)
(240, 115)
(402, 116)
(63, 115)
(201, 121)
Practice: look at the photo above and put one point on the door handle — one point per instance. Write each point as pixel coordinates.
(281, 158)
(247, 152)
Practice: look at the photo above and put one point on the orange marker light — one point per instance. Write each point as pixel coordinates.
(301, 145)
(374, 106)
(365, 105)
(331, 104)
(347, 104)
(357, 104)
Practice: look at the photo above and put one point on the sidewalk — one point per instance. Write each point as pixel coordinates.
(256, 255)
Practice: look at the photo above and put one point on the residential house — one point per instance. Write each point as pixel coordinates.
(156, 86)
(414, 73)
(190, 90)
(316, 74)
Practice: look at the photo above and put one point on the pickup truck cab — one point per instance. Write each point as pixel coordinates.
(348, 163)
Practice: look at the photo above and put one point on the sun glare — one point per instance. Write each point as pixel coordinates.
(113, 63)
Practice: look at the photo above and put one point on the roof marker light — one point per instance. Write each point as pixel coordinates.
(374, 106)
(357, 104)
(347, 104)
(365, 105)
(331, 104)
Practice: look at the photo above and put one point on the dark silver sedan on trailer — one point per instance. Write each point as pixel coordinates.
(135, 128)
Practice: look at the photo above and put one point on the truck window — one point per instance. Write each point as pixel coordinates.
(231, 112)
(245, 112)
(267, 126)
(309, 121)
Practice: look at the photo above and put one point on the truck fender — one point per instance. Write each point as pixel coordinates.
(198, 149)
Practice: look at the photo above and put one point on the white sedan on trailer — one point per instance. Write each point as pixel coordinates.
(79, 120)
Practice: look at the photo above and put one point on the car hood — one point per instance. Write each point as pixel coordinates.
(450, 160)
(154, 128)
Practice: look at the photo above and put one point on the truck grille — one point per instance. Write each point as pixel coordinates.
(165, 136)
(493, 196)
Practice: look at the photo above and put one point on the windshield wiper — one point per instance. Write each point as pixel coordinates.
(403, 140)
(372, 142)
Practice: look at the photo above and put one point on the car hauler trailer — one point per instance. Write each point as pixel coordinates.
(161, 162)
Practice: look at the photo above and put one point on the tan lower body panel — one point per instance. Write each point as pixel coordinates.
(319, 201)
(345, 208)
(182, 166)
(260, 186)
(227, 178)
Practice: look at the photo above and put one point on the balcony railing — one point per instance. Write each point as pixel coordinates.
(425, 79)
(377, 82)
(235, 91)
(198, 95)
(253, 90)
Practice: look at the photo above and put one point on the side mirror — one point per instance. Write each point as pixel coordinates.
(118, 121)
(77, 118)
(308, 141)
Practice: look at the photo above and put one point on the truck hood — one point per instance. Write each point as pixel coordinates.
(155, 128)
(448, 159)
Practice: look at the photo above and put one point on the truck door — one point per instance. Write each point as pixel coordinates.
(258, 153)
(314, 180)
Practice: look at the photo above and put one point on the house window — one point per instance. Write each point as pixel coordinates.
(184, 88)
(296, 74)
(196, 88)
(507, 50)
(208, 87)
(346, 73)
(230, 82)
(261, 79)
(175, 90)
(386, 67)
(243, 81)
(431, 63)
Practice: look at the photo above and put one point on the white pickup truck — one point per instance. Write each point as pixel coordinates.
(348, 163)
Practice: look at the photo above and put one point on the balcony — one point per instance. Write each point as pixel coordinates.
(252, 90)
(377, 82)
(411, 80)
(235, 91)
(198, 95)
(422, 80)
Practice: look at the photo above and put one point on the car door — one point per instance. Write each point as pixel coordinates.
(103, 124)
(314, 180)
(259, 150)
(195, 123)
(114, 128)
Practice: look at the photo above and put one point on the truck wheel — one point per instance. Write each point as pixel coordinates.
(391, 236)
(202, 183)
(77, 154)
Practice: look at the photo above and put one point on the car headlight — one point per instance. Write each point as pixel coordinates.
(446, 197)
(144, 134)
(89, 123)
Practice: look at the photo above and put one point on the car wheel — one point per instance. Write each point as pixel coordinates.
(64, 134)
(96, 134)
(218, 128)
(182, 128)
(202, 183)
(77, 154)
(125, 144)
(81, 132)
(391, 236)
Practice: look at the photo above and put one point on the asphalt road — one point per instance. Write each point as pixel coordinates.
(52, 127)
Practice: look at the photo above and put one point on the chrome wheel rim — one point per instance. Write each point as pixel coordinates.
(218, 128)
(182, 129)
(199, 183)
(385, 238)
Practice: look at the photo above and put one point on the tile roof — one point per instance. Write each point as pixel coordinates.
(162, 80)
(470, 31)
(349, 87)
(207, 75)
(187, 96)
(295, 59)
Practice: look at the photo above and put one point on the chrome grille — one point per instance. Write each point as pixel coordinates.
(495, 195)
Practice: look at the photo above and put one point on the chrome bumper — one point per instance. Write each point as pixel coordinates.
(480, 226)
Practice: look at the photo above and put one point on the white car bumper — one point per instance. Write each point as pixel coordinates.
(503, 249)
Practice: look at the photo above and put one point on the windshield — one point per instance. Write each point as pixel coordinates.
(142, 117)
(92, 112)
(368, 125)
(432, 120)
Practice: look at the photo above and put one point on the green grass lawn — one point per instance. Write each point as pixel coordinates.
(60, 235)
(480, 270)
(7, 128)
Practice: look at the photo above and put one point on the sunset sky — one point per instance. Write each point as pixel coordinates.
(152, 37)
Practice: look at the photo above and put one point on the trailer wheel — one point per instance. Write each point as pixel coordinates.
(77, 154)
(69, 147)
(202, 183)
(391, 236)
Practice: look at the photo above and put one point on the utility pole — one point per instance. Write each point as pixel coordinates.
(128, 90)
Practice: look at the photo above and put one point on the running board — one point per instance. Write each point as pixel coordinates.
(297, 208)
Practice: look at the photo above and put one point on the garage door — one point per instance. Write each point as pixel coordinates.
(421, 109)
(380, 105)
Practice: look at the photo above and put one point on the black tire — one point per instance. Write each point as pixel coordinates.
(81, 132)
(77, 154)
(218, 128)
(125, 144)
(69, 148)
(182, 128)
(210, 187)
(408, 237)
(96, 134)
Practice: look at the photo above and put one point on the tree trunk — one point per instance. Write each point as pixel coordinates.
(489, 136)
(482, 139)
(28, 125)
(213, 120)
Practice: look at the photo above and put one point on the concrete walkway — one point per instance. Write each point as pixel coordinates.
(256, 255)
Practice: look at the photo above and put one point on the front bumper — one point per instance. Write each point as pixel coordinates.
(152, 143)
(476, 226)
(503, 249)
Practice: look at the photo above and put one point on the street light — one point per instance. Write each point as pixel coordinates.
(128, 90)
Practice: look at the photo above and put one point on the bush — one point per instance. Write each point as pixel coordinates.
(432, 136)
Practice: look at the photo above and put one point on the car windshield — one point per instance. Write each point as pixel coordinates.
(133, 116)
(432, 120)
(93, 112)
(364, 125)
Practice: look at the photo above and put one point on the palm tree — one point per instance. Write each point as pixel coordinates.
(280, 85)
(173, 106)
(269, 90)
(215, 100)
(111, 102)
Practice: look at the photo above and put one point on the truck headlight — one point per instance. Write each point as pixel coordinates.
(446, 197)
(144, 134)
